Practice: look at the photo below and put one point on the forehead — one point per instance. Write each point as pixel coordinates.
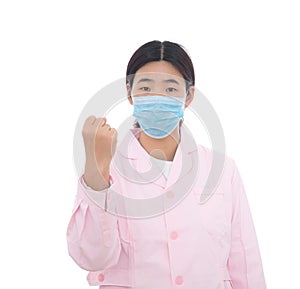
(159, 71)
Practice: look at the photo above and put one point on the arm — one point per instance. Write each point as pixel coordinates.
(244, 263)
(92, 234)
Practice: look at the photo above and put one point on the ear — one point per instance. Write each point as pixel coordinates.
(190, 96)
(129, 93)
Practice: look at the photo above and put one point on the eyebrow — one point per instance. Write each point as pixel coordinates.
(171, 80)
(145, 80)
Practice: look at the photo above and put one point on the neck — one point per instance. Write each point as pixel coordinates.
(164, 148)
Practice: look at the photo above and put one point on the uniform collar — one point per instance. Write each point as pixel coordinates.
(131, 147)
(130, 150)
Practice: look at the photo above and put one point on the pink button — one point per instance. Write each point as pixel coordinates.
(174, 235)
(101, 277)
(179, 280)
(170, 194)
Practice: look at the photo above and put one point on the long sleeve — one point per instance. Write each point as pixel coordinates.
(244, 263)
(92, 233)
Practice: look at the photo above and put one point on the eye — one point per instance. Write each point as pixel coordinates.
(171, 89)
(144, 88)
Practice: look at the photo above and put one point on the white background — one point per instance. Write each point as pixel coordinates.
(56, 55)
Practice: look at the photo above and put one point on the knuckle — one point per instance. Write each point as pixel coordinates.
(90, 118)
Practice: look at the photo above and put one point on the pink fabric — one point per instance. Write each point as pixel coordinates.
(203, 246)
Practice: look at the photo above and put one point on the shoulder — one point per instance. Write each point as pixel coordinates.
(215, 158)
(209, 154)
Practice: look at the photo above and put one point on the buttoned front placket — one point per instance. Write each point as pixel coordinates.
(174, 247)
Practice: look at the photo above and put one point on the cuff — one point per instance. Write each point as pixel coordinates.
(86, 186)
(98, 198)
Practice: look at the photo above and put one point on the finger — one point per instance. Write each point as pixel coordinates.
(90, 120)
(107, 127)
(103, 121)
(100, 121)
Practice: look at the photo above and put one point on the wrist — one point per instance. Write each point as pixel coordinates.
(96, 177)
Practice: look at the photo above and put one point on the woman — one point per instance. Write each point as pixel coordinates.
(207, 246)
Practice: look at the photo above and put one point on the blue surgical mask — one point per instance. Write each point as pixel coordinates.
(158, 115)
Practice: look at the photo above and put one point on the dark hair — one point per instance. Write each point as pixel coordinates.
(157, 51)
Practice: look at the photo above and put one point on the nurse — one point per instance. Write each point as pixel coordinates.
(207, 246)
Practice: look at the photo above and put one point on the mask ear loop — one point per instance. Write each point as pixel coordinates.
(182, 120)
